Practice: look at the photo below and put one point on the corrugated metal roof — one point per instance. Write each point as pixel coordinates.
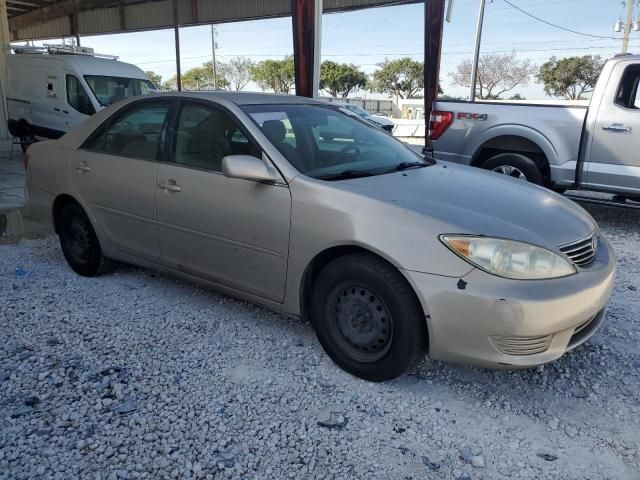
(42, 19)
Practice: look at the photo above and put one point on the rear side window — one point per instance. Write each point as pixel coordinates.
(627, 94)
(136, 134)
(77, 96)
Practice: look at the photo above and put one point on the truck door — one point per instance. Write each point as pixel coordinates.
(78, 102)
(47, 105)
(613, 162)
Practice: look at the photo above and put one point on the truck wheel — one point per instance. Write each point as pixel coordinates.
(515, 165)
(25, 135)
(368, 318)
(26, 139)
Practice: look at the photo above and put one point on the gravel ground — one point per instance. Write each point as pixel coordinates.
(138, 375)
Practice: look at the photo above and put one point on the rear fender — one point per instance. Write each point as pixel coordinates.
(474, 148)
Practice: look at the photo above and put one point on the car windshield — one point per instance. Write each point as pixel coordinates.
(356, 109)
(109, 90)
(332, 143)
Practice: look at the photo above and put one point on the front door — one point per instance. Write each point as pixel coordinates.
(115, 173)
(613, 162)
(230, 231)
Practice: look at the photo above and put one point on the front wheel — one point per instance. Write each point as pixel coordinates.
(367, 317)
(515, 165)
(80, 244)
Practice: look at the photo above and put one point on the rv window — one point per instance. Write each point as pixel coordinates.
(109, 90)
(77, 96)
(52, 87)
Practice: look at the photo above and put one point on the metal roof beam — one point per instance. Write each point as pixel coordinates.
(53, 10)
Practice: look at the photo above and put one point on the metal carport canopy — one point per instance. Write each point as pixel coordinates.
(43, 19)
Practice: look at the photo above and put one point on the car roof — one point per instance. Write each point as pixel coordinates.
(86, 64)
(250, 98)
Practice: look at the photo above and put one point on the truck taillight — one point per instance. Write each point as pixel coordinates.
(438, 123)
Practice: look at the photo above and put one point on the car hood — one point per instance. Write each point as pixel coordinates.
(468, 200)
(380, 120)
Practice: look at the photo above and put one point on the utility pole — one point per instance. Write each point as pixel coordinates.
(476, 52)
(213, 54)
(5, 50)
(627, 26)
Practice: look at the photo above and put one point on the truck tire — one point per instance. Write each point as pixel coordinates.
(515, 165)
(25, 135)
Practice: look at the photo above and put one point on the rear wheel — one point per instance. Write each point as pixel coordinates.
(26, 136)
(80, 244)
(368, 318)
(515, 165)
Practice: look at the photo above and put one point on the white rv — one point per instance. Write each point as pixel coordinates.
(53, 88)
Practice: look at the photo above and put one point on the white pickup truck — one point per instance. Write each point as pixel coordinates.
(562, 147)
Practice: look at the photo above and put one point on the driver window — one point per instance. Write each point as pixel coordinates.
(205, 135)
(77, 96)
(627, 94)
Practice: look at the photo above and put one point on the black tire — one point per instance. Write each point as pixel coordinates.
(518, 163)
(368, 318)
(26, 137)
(80, 244)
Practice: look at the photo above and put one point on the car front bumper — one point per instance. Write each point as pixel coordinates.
(488, 321)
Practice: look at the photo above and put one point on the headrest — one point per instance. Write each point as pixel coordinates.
(274, 130)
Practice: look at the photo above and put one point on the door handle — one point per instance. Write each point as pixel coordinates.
(170, 186)
(83, 167)
(56, 109)
(617, 127)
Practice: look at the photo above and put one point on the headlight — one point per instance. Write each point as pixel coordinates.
(508, 258)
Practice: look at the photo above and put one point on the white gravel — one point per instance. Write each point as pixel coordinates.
(135, 375)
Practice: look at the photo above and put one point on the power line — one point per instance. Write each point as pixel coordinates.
(272, 55)
(553, 24)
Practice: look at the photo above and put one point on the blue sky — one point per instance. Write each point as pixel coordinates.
(367, 37)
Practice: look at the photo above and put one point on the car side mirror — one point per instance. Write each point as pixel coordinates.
(247, 167)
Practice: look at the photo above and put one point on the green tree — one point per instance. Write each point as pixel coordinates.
(340, 79)
(497, 74)
(276, 75)
(570, 77)
(201, 78)
(236, 72)
(403, 78)
(155, 78)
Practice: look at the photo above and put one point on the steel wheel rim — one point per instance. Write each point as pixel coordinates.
(510, 171)
(78, 241)
(360, 322)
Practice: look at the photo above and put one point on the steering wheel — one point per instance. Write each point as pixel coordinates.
(344, 151)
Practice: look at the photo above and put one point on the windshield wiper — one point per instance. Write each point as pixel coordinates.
(405, 165)
(344, 174)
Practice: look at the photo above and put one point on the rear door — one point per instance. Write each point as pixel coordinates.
(115, 173)
(614, 162)
(230, 231)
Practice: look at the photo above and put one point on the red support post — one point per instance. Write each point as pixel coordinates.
(303, 18)
(433, 28)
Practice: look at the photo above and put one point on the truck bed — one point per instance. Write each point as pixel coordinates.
(556, 129)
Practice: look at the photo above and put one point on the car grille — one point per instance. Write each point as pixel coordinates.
(583, 252)
(521, 345)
